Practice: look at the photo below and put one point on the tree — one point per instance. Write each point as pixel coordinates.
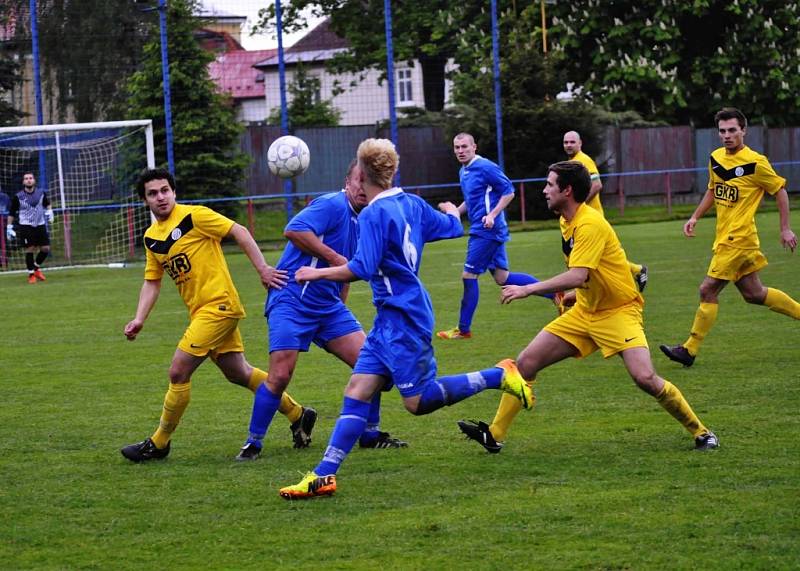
(424, 30)
(205, 132)
(306, 109)
(88, 50)
(10, 77)
(681, 61)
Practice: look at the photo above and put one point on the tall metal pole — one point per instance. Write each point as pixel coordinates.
(287, 184)
(387, 14)
(498, 106)
(162, 21)
(37, 89)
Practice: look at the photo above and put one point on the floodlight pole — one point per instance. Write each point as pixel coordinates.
(162, 22)
(37, 88)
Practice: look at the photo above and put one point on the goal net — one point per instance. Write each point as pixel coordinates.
(89, 171)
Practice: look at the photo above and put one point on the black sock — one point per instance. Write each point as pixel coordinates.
(40, 258)
(29, 261)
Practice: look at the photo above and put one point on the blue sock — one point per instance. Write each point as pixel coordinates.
(348, 428)
(515, 278)
(468, 304)
(373, 427)
(445, 391)
(265, 404)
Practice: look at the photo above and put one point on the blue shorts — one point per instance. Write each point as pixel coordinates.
(399, 357)
(484, 254)
(293, 327)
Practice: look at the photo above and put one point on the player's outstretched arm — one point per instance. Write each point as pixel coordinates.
(148, 296)
(572, 278)
(270, 277)
(706, 203)
(788, 238)
(335, 274)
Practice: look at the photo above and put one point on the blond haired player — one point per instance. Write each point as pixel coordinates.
(738, 178)
(184, 242)
(607, 314)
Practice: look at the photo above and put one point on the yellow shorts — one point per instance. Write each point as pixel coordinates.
(732, 264)
(211, 334)
(611, 331)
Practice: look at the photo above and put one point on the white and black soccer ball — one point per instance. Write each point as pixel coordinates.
(288, 156)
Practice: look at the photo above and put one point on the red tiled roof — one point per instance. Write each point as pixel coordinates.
(233, 72)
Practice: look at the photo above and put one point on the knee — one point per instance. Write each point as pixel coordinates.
(528, 366)
(756, 297)
(177, 376)
(648, 381)
(707, 294)
(278, 381)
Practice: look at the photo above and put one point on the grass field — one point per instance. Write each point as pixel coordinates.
(598, 476)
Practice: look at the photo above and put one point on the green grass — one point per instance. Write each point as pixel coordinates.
(597, 477)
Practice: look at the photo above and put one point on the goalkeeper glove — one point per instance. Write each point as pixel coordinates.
(49, 215)
(10, 234)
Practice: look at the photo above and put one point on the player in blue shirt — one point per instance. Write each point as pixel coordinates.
(322, 235)
(393, 230)
(487, 191)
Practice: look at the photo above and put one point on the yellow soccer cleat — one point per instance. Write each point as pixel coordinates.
(515, 385)
(310, 486)
(454, 333)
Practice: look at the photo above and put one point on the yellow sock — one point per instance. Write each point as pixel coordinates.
(507, 411)
(257, 377)
(175, 402)
(704, 319)
(635, 269)
(673, 402)
(779, 302)
(289, 407)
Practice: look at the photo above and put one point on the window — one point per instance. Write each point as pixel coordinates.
(405, 93)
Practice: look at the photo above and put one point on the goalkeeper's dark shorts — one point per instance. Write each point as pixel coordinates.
(33, 235)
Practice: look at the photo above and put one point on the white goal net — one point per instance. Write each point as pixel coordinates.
(89, 171)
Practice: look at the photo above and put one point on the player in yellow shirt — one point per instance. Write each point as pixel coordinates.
(738, 178)
(607, 314)
(184, 241)
(572, 147)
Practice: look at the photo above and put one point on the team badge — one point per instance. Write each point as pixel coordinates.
(176, 234)
(739, 171)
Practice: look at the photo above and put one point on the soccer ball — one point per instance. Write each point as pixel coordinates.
(288, 157)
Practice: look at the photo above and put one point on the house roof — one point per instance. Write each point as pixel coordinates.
(233, 72)
(320, 44)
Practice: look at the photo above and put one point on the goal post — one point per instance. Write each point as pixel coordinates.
(89, 172)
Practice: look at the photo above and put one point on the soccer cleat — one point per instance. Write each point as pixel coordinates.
(678, 353)
(480, 433)
(707, 441)
(31, 279)
(309, 487)
(384, 440)
(641, 278)
(39, 275)
(302, 427)
(454, 333)
(145, 450)
(248, 453)
(515, 385)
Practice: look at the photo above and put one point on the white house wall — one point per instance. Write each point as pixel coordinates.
(365, 104)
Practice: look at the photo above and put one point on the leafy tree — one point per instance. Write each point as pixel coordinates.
(205, 131)
(424, 30)
(10, 77)
(306, 109)
(681, 61)
(88, 50)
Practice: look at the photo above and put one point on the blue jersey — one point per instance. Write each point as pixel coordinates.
(332, 219)
(394, 229)
(483, 184)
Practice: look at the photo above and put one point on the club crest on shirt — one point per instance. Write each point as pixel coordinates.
(176, 234)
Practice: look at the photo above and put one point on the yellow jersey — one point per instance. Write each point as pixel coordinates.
(589, 241)
(594, 175)
(187, 247)
(738, 183)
